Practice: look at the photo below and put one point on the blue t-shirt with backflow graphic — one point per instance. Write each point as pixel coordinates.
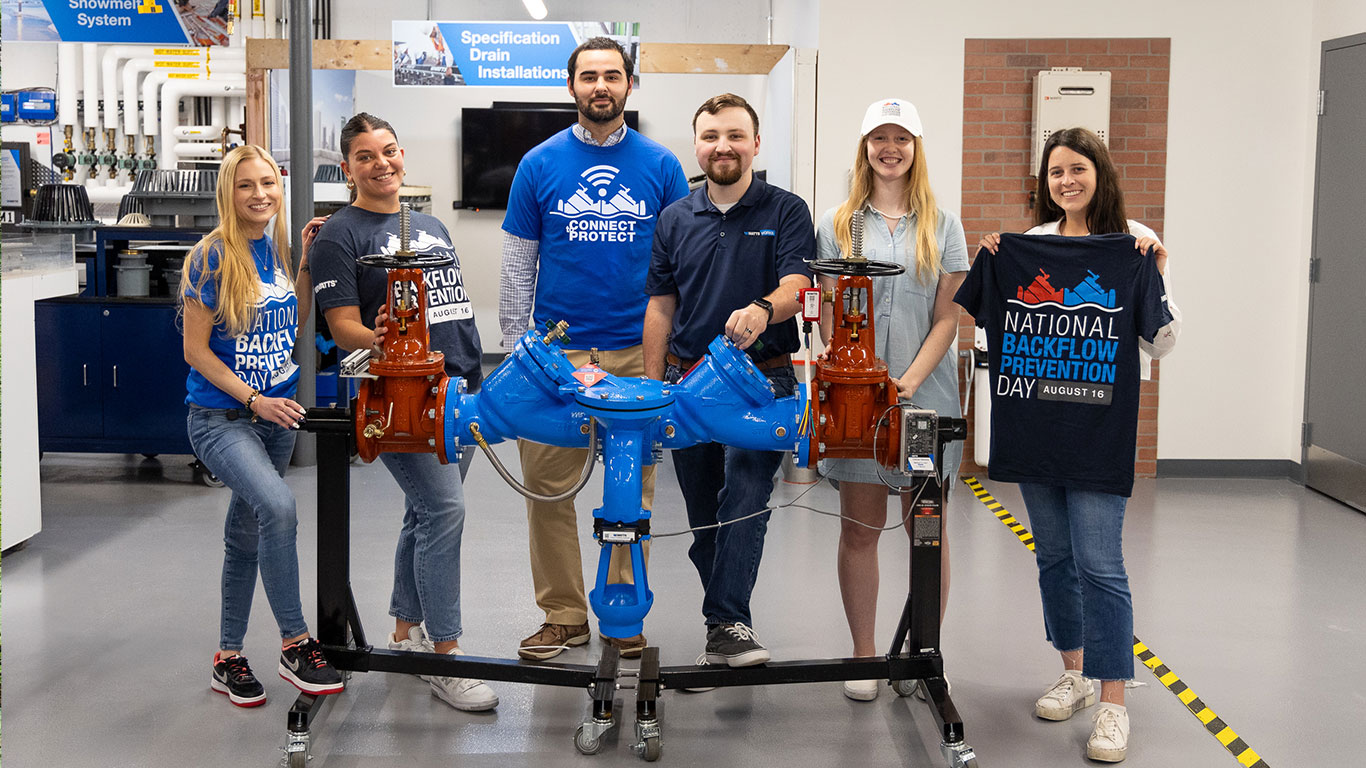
(1063, 316)
(593, 210)
(263, 357)
(719, 262)
(341, 281)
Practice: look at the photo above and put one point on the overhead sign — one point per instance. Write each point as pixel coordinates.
(497, 53)
(177, 22)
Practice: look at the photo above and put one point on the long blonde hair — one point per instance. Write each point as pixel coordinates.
(919, 200)
(239, 284)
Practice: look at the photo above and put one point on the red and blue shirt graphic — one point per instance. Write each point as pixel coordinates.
(1064, 360)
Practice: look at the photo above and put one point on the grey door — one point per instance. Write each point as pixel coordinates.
(1335, 391)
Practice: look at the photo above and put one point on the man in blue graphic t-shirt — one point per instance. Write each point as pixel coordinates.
(581, 216)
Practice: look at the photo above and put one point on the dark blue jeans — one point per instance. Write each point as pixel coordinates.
(721, 483)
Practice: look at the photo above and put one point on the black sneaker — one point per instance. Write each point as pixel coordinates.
(735, 645)
(232, 677)
(304, 665)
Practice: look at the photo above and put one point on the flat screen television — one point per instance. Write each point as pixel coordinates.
(494, 139)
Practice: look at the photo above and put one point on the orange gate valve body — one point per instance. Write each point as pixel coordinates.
(399, 410)
(854, 391)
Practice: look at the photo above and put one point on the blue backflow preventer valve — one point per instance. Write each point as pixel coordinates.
(536, 394)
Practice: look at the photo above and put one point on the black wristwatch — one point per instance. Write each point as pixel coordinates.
(765, 305)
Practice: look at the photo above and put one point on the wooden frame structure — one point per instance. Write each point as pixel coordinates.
(264, 55)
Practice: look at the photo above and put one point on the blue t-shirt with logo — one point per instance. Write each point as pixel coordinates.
(341, 281)
(263, 356)
(1063, 316)
(594, 210)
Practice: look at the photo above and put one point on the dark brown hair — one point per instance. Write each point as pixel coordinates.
(1105, 215)
(601, 44)
(362, 122)
(725, 101)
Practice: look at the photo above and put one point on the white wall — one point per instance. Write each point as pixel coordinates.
(1239, 176)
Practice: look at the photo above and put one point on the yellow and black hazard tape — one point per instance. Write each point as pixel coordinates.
(1234, 743)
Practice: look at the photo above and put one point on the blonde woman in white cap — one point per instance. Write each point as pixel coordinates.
(917, 324)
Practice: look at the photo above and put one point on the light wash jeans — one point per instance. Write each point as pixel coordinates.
(1078, 545)
(720, 483)
(259, 532)
(427, 559)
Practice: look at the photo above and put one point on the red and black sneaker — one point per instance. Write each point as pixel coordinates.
(304, 665)
(233, 678)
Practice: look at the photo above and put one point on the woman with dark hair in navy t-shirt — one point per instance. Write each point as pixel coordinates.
(1088, 610)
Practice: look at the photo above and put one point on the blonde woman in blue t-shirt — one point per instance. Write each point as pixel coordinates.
(242, 310)
(917, 325)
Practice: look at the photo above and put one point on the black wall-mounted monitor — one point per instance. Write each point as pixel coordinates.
(494, 139)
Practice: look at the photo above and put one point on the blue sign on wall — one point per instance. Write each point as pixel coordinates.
(496, 53)
(174, 22)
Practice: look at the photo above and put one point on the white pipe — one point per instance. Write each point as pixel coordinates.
(272, 29)
(110, 65)
(175, 90)
(91, 85)
(218, 112)
(150, 84)
(198, 149)
(135, 67)
(197, 132)
(68, 75)
(98, 193)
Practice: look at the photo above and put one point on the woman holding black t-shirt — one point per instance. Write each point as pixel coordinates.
(1088, 611)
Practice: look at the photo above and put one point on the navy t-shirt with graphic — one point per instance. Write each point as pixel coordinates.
(1063, 316)
(340, 281)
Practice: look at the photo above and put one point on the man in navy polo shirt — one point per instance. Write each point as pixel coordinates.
(728, 258)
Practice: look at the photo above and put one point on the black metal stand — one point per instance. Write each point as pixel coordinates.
(914, 654)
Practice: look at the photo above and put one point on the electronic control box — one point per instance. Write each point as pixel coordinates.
(919, 436)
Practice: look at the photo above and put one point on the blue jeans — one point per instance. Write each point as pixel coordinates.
(721, 483)
(260, 530)
(427, 559)
(1078, 545)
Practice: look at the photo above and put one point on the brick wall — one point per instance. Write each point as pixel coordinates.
(997, 178)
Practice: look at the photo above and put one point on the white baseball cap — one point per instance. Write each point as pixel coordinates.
(895, 112)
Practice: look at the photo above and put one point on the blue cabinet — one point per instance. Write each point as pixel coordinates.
(111, 376)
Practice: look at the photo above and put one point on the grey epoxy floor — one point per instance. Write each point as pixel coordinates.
(1252, 591)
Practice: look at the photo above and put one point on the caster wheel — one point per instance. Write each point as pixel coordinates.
(298, 759)
(651, 749)
(585, 743)
(904, 688)
(210, 479)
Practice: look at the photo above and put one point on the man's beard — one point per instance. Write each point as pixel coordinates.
(725, 177)
(600, 114)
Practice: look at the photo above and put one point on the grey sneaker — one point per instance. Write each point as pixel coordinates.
(1071, 693)
(464, 693)
(416, 642)
(735, 645)
(1110, 736)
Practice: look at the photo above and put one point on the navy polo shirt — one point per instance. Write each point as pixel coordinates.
(719, 262)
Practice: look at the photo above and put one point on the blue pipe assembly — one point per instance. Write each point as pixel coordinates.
(536, 395)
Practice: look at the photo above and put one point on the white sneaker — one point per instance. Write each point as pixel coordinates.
(861, 690)
(415, 642)
(920, 688)
(1110, 734)
(1071, 693)
(464, 693)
